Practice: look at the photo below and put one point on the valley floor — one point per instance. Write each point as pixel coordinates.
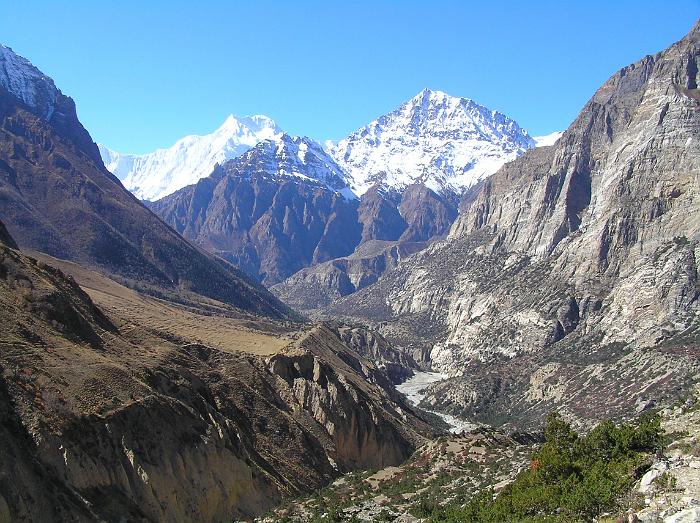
(413, 389)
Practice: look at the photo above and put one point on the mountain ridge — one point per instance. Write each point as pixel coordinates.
(462, 156)
(56, 196)
(260, 213)
(153, 175)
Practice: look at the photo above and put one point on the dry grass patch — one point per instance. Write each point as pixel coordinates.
(134, 313)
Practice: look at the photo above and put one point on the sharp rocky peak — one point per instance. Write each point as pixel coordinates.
(293, 156)
(445, 142)
(26, 83)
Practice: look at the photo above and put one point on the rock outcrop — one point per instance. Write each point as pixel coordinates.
(671, 487)
(104, 422)
(6, 238)
(396, 365)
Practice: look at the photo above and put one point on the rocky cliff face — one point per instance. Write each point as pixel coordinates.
(102, 421)
(57, 197)
(351, 398)
(380, 216)
(572, 271)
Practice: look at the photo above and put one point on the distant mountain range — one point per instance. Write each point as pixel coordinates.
(162, 172)
(446, 143)
(400, 179)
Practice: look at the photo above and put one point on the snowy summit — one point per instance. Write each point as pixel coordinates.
(293, 157)
(448, 143)
(154, 175)
(25, 82)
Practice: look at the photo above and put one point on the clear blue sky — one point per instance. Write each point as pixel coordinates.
(145, 73)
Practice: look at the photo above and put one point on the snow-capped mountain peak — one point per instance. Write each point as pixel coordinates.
(258, 123)
(25, 82)
(293, 157)
(154, 175)
(446, 142)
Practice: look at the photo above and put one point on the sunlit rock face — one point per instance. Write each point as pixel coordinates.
(573, 270)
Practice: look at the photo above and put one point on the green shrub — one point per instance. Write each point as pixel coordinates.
(667, 482)
(571, 477)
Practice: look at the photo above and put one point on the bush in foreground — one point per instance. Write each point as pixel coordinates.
(571, 477)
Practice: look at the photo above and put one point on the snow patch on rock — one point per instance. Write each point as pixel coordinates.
(25, 82)
(547, 139)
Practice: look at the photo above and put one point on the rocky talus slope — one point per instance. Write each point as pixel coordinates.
(107, 416)
(446, 475)
(570, 279)
(670, 490)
